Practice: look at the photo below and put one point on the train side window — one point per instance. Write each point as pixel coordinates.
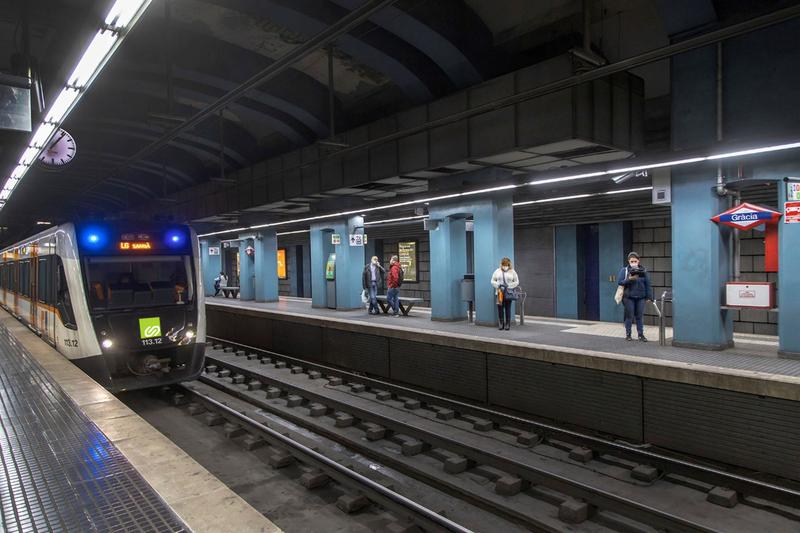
(63, 302)
(44, 281)
(25, 278)
(13, 276)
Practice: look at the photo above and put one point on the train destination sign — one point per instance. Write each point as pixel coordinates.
(746, 216)
(135, 245)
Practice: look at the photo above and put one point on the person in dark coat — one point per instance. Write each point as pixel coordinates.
(637, 290)
(372, 281)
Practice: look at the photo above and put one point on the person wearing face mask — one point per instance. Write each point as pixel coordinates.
(372, 281)
(637, 290)
(503, 280)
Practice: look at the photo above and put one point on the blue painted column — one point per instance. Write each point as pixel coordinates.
(266, 266)
(210, 265)
(350, 263)
(777, 168)
(566, 275)
(247, 289)
(700, 261)
(494, 240)
(612, 257)
(448, 243)
(788, 280)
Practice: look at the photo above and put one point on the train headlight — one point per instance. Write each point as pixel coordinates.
(107, 343)
(189, 334)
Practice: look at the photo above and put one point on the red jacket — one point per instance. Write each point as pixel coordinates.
(393, 279)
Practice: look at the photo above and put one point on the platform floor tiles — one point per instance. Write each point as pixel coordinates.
(60, 472)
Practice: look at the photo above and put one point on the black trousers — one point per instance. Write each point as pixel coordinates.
(504, 307)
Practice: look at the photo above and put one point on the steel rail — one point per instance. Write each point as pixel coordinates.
(320, 40)
(665, 463)
(378, 492)
(595, 496)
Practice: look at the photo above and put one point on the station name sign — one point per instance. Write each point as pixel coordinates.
(747, 216)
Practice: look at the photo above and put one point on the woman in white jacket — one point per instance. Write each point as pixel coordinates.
(504, 278)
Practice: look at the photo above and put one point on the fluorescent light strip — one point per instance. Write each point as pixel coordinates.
(62, 104)
(365, 210)
(765, 149)
(122, 13)
(389, 220)
(622, 191)
(293, 232)
(93, 58)
(578, 196)
(679, 162)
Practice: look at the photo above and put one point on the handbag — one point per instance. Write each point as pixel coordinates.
(509, 293)
(364, 296)
(620, 290)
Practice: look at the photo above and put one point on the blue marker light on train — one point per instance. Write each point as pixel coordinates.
(94, 237)
(175, 238)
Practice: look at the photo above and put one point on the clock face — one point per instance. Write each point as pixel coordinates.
(59, 150)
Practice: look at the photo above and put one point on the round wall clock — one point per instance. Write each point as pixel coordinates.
(59, 151)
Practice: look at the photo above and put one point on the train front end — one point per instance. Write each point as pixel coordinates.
(145, 301)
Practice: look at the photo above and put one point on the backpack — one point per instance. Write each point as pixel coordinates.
(400, 277)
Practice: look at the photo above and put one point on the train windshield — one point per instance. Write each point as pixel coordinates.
(126, 282)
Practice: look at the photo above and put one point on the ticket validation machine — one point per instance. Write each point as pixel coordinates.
(330, 281)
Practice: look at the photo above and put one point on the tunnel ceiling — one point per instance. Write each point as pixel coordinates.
(184, 54)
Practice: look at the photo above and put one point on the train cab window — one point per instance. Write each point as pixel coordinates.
(63, 300)
(125, 282)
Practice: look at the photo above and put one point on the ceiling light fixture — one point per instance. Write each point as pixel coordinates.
(120, 19)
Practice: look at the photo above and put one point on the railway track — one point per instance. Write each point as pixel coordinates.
(240, 418)
(528, 471)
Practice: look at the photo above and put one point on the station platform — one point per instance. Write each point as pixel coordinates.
(576, 372)
(75, 458)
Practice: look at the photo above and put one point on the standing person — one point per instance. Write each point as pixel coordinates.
(636, 281)
(393, 281)
(220, 282)
(372, 281)
(503, 279)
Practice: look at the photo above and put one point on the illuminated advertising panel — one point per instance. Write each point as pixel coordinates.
(281, 263)
(407, 253)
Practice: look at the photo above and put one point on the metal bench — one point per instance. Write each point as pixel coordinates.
(230, 292)
(406, 304)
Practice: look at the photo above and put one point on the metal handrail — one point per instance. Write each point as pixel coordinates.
(666, 296)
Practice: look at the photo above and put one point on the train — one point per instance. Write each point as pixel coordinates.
(124, 301)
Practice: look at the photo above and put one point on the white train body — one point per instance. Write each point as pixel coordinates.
(67, 291)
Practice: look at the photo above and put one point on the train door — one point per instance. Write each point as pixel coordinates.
(588, 272)
(33, 279)
(45, 295)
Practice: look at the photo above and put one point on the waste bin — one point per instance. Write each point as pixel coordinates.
(468, 292)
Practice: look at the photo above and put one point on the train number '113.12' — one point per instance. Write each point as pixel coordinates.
(71, 343)
(151, 342)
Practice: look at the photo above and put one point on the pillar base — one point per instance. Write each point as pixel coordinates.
(703, 346)
(789, 355)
